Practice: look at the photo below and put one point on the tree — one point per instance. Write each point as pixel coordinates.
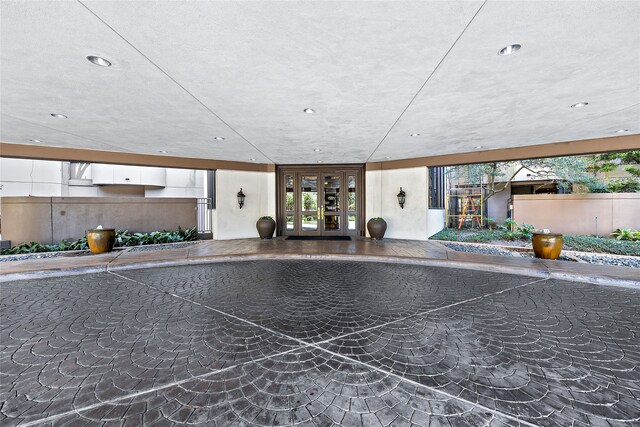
(607, 162)
(496, 176)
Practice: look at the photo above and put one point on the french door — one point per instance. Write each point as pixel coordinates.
(316, 201)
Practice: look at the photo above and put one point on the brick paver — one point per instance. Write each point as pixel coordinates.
(318, 343)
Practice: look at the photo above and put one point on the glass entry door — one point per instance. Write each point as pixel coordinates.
(331, 210)
(309, 212)
(319, 202)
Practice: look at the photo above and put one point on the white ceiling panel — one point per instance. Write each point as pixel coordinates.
(375, 72)
(570, 53)
(131, 106)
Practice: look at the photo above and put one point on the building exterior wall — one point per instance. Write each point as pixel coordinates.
(43, 178)
(416, 221)
(577, 213)
(498, 205)
(435, 221)
(231, 222)
(52, 219)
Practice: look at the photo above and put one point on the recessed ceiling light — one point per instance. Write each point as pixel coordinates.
(253, 160)
(622, 130)
(309, 110)
(99, 61)
(58, 116)
(580, 104)
(387, 157)
(163, 151)
(316, 150)
(478, 147)
(415, 134)
(218, 138)
(319, 161)
(35, 140)
(508, 50)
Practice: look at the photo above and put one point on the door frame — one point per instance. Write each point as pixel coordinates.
(345, 169)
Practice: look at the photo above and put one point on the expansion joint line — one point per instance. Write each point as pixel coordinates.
(195, 98)
(432, 310)
(305, 344)
(427, 80)
(115, 401)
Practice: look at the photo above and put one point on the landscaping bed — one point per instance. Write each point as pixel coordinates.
(572, 242)
(583, 257)
(142, 248)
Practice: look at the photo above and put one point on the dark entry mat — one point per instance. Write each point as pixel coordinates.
(318, 238)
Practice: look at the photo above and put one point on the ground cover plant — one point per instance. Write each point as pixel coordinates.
(123, 238)
(572, 242)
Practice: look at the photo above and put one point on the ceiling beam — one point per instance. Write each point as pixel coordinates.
(557, 149)
(26, 151)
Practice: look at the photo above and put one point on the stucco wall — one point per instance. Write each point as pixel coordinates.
(435, 221)
(381, 200)
(52, 219)
(231, 222)
(576, 213)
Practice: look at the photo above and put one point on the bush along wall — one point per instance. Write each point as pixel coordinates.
(123, 238)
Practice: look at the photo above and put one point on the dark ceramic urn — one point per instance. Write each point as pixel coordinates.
(377, 227)
(266, 226)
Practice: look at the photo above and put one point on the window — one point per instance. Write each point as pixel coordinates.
(79, 170)
(436, 188)
(211, 189)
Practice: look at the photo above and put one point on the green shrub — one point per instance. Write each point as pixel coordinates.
(573, 242)
(123, 238)
(626, 234)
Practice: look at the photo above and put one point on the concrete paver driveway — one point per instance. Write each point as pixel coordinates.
(318, 343)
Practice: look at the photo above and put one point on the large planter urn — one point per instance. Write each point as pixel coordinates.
(547, 245)
(101, 240)
(266, 226)
(376, 227)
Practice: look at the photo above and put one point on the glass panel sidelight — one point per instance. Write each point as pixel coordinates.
(352, 222)
(351, 192)
(290, 219)
(289, 190)
(351, 201)
(309, 201)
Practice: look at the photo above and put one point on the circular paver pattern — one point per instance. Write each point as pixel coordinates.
(318, 343)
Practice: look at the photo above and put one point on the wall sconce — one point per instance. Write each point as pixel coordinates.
(401, 198)
(241, 197)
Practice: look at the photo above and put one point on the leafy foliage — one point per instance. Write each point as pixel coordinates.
(123, 238)
(563, 171)
(626, 234)
(496, 176)
(607, 162)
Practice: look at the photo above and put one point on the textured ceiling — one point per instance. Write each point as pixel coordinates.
(375, 72)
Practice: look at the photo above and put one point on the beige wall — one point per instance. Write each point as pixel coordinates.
(231, 222)
(576, 213)
(416, 221)
(52, 219)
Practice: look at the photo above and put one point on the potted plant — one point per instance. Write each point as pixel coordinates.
(547, 245)
(101, 240)
(377, 227)
(266, 225)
